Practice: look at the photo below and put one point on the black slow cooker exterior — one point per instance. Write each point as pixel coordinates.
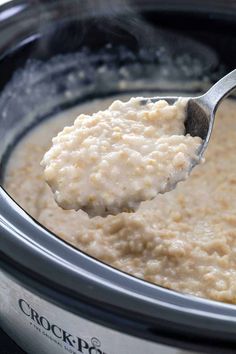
(42, 277)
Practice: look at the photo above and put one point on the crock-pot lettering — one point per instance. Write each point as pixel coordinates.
(25, 308)
(56, 331)
(81, 345)
(183, 240)
(112, 160)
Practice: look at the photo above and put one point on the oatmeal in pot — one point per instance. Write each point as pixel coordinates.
(183, 240)
(112, 160)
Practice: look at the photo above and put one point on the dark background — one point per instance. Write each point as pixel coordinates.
(7, 346)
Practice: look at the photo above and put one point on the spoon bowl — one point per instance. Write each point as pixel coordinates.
(200, 110)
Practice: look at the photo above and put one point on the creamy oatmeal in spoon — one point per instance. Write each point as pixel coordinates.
(110, 161)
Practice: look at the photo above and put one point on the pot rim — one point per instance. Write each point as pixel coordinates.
(37, 250)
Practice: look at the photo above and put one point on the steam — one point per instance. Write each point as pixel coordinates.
(122, 19)
(121, 14)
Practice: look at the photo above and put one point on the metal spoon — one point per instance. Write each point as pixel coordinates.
(201, 110)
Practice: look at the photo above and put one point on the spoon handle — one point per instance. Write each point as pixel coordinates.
(220, 90)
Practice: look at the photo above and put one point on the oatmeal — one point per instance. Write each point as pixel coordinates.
(112, 160)
(183, 240)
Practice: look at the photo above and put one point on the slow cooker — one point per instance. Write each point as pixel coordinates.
(55, 54)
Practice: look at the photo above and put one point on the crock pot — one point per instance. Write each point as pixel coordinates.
(54, 55)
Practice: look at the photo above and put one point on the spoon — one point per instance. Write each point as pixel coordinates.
(201, 110)
(115, 192)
